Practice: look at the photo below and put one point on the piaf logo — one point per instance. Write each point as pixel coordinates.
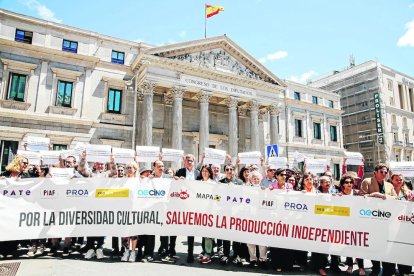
(182, 195)
(48, 193)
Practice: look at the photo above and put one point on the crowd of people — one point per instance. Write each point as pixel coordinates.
(383, 184)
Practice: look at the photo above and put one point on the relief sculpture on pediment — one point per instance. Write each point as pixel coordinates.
(218, 59)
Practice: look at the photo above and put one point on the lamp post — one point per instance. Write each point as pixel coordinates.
(134, 119)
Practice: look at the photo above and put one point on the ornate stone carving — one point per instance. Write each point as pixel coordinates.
(148, 88)
(168, 98)
(219, 60)
(253, 106)
(177, 92)
(242, 110)
(232, 102)
(275, 108)
(203, 96)
(262, 114)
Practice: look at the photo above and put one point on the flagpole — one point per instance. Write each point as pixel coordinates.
(205, 20)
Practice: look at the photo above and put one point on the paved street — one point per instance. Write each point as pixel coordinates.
(75, 265)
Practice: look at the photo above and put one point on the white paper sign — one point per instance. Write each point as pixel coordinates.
(405, 168)
(214, 156)
(278, 162)
(147, 154)
(50, 157)
(79, 148)
(98, 153)
(316, 165)
(38, 143)
(172, 155)
(299, 157)
(32, 156)
(354, 158)
(252, 157)
(123, 156)
(62, 172)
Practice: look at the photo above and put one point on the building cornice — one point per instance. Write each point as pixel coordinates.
(45, 117)
(312, 107)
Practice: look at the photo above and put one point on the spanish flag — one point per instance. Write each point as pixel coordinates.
(213, 10)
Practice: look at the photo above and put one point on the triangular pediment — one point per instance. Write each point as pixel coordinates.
(217, 53)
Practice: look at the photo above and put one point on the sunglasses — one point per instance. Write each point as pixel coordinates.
(129, 167)
(383, 172)
(25, 163)
(282, 174)
(348, 182)
(229, 169)
(120, 170)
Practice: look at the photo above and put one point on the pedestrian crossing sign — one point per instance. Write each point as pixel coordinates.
(272, 151)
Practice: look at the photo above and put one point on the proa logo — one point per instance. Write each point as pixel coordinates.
(294, 206)
(15, 192)
(48, 193)
(208, 196)
(182, 195)
(238, 199)
(77, 193)
(406, 218)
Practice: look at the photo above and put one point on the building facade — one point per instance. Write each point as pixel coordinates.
(73, 85)
(378, 105)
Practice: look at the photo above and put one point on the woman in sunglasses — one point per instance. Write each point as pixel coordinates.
(281, 183)
(346, 185)
(16, 169)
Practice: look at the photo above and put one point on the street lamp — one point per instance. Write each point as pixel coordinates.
(134, 119)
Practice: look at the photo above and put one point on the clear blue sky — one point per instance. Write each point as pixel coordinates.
(295, 39)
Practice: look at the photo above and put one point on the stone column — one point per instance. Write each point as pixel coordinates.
(204, 131)
(254, 126)
(262, 114)
(168, 120)
(177, 117)
(148, 92)
(233, 143)
(274, 111)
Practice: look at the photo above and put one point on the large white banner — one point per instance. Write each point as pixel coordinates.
(368, 228)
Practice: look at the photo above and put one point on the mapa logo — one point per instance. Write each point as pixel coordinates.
(208, 196)
(48, 193)
(182, 195)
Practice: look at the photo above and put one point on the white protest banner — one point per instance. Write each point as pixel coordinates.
(172, 155)
(32, 156)
(38, 143)
(79, 148)
(123, 156)
(354, 158)
(61, 172)
(299, 157)
(147, 154)
(214, 156)
(98, 153)
(344, 226)
(248, 158)
(315, 165)
(278, 162)
(405, 168)
(50, 157)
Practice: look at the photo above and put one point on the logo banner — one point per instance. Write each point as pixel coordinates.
(352, 226)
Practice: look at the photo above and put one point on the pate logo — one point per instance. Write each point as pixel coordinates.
(182, 195)
(238, 199)
(268, 204)
(153, 193)
(15, 192)
(208, 196)
(77, 193)
(332, 210)
(294, 206)
(111, 193)
(406, 218)
(48, 193)
(374, 214)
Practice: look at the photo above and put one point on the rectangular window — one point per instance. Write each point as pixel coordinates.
(298, 128)
(406, 138)
(389, 85)
(17, 86)
(334, 136)
(407, 158)
(317, 131)
(70, 46)
(114, 101)
(59, 147)
(330, 104)
(401, 94)
(314, 100)
(23, 36)
(337, 173)
(118, 57)
(296, 96)
(64, 94)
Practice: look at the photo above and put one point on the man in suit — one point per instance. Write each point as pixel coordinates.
(189, 172)
(378, 187)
